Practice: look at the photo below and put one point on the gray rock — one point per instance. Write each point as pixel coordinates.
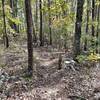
(1, 83)
(97, 96)
(2, 77)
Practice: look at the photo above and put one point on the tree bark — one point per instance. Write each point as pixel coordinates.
(29, 35)
(41, 33)
(50, 32)
(87, 26)
(5, 37)
(97, 33)
(78, 26)
(93, 17)
(36, 15)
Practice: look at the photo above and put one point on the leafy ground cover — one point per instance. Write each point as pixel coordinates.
(47, 83)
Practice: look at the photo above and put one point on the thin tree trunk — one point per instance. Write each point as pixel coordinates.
(5, 37)
(93, 17)
(41, 33)
(36, 16)
(29, 35)
(50, 32)
(97, 34)
(78, 26)
(87, 26)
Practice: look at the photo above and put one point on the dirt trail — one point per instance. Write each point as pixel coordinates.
(49, 83)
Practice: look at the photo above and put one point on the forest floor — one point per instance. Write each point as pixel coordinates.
(48, 82)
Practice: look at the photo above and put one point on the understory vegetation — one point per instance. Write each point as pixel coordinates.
(49, 49)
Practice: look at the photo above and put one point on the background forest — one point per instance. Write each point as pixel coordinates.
(49, 49)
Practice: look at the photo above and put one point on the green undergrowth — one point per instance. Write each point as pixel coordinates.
(92, 57)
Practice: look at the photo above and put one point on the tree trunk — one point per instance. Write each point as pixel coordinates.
(5, 37)
(97, 33)
(78, 25)
(41, 33)
(36, 16)
(29, 35)
(87, 26)
(50, 32)
(93, 17)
